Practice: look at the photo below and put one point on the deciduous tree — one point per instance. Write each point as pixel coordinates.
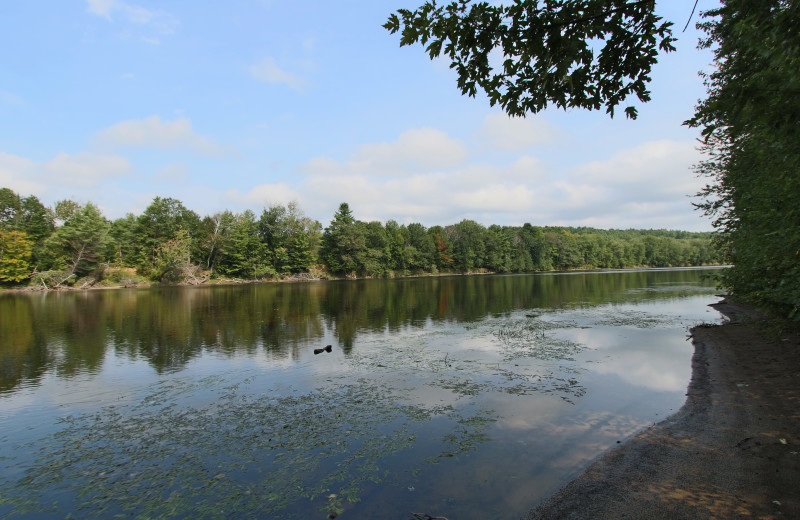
(751, 125)
(571, 53)
(77, 246)
(15, 255)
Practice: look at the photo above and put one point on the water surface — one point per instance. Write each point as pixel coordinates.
(465, 397)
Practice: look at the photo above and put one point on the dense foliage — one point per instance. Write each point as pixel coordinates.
(751, 126)
(170, 243)
(572, 53)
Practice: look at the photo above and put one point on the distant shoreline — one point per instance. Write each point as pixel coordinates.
(313, 278)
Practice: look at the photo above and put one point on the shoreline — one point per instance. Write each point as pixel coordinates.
(731, 451)
(307, 277)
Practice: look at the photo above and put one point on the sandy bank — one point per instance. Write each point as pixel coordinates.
(732, 451)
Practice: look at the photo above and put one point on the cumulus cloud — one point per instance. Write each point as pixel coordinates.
(650, 161)
(262, 195)
(267, 70)
(85, 169)
(515, 133)
(16, 173)
(77, 172)
(649, 185)
(407, 180)
(654, 171)
(173, 172)
(415, 150)
(155, 133)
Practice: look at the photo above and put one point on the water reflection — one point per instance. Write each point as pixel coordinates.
(66, 333)
(464, 396)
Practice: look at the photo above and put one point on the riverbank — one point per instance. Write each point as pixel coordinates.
(132, 281)
(732, 451)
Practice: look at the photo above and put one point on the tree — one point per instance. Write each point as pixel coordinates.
(245, 255)
(215, 234)
(172, 257)
(121, 244)
(444, 248)
(159, 223)
(469, 245)
(77, 246)
(420, 249)
(299, 251)
(572, 53)
(342, 241)
(395, 244)
(27, 215)
(15, 255)
(373, 259)
(751, 127)
(10, 205)
(291, 238)
(65, 209)
(274, 232)
(35, 219)
(498, 249)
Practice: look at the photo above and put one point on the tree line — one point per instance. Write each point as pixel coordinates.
(74, 243)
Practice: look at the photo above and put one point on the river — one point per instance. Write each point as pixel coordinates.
(468, 397)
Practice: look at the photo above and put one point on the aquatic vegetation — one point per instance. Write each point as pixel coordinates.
(255, 455)
(533, 338)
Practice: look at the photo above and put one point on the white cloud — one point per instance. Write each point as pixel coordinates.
(262, 195)
(415, 150)
(496, 197)
(267, 70)
(155, 133)
(662, 160)
(515, 133)
(655, 171)
(16, 173)
(173, 172)
(647, 186)
(76, 172)
(425, 175)
(85, 169)
(412, 193)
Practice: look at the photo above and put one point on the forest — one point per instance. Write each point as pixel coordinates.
(73, 244)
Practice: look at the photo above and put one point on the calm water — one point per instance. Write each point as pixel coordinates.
(466, 397)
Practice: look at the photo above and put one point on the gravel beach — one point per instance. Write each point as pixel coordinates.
(732, 450)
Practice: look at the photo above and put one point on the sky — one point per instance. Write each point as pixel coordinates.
(244, 104)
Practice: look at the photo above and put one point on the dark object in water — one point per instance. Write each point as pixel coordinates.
(328, 348)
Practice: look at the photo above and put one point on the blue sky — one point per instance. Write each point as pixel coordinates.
(241, 104)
